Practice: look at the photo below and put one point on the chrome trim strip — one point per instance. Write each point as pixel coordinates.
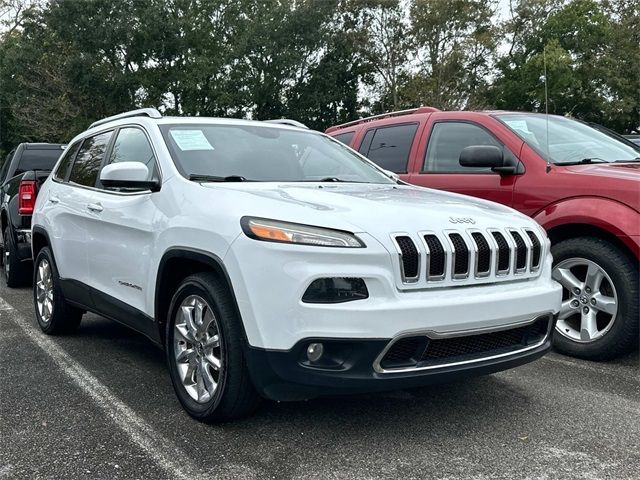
(430, 334)
(403, 276)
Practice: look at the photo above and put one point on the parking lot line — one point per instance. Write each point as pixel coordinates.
(159, 449)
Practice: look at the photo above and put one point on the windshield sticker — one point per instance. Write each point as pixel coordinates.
(190, 140)
(518, 125)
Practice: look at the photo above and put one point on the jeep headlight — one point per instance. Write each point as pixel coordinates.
(285, 232)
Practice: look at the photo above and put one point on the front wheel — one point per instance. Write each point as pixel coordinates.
(205, 354)
(598, 319)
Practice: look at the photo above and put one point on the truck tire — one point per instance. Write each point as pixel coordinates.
(205, 351)
(15, 271)
(598, 319)
(54, 314)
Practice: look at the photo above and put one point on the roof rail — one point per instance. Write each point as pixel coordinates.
(141, 112)
(287, 121)
(384, 115)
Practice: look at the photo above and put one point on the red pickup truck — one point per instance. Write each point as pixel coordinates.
(580, 182)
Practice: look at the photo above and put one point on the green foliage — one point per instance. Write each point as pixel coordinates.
(66, 63)
(593, 67)
(454, 40)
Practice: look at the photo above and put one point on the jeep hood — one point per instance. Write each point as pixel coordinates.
(372, 208)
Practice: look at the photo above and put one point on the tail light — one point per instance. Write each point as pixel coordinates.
(26, 197)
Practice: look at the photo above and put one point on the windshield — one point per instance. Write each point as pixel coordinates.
(570, 141)
(264, 154)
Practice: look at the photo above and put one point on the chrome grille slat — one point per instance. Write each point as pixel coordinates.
(483, 254)
(521, 252)
(436, 257)
(409, 258)
(429, 258)
(536, 252)
(503, 253)
(459, 256)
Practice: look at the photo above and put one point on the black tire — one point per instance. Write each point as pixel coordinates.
(622, 268)
(64, 318)
(16, 273)
(235, 395)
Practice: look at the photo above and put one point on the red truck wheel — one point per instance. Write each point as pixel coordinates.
(599, 315)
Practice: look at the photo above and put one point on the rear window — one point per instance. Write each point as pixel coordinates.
(38, 159)
(390, 146)
(345, 137)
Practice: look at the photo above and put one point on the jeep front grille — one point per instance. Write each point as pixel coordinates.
(467, 256)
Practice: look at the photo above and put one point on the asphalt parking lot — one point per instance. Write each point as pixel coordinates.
(99, 404)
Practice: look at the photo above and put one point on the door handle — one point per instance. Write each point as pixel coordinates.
(95, 207)
(54, 199)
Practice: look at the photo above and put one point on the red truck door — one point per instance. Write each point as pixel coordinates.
(436, 162)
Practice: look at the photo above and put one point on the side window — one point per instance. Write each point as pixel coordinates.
(366, 142)
(390, 147)
(85, 168)
(448, 139)
(345, 137)
(132, 145)
(65, 164)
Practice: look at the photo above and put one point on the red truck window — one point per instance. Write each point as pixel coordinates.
(448, 139)
(345, 137)
(389, 147)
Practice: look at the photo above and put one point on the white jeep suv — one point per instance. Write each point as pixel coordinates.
(271, 260)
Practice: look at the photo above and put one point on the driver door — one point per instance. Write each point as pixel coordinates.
(438, 163)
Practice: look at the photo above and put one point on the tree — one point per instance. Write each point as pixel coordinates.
(589, 55)
(387, 48)
(454, 40)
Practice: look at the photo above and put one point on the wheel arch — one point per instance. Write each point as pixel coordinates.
(39, 240)
(585, 216)
(566, 231)
(176, 264)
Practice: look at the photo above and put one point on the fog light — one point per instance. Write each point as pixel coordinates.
(335, 290)
(315, 351)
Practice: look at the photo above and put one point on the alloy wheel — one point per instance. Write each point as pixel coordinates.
(44, 291)
(589, 300)
(197, 348)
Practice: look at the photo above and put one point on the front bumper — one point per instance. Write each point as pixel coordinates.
(269, 280)
(286, 376)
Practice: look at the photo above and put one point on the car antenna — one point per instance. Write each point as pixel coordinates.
(546, 105)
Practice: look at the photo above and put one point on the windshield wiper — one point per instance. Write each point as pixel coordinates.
(212, 178)
(585, 160)
(637, 159)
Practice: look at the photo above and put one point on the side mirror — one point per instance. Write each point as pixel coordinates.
(486, 156)
(392, 175)
(128, 175)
